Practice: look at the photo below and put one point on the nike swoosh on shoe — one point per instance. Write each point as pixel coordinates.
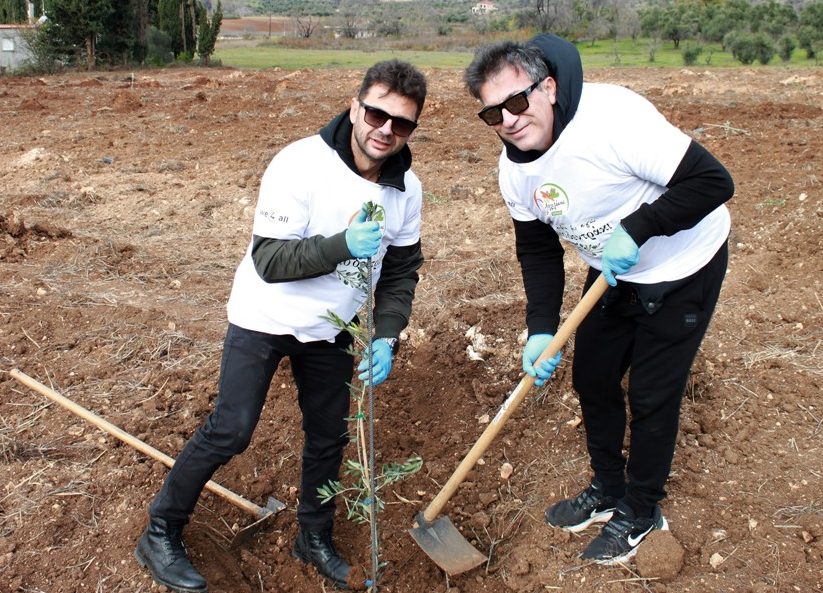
(633, 541)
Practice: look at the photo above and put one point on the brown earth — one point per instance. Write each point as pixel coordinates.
(126, 205)
(261, 25)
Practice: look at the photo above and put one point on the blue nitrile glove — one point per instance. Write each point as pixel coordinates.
(381, 363)
(363, 236)
(619, 255)
(534, 348)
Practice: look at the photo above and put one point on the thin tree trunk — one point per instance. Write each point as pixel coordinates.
(90, 51)
(193, 25)
(142, 20)
(183, 23)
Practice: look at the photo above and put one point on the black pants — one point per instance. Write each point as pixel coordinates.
(657, 350)
(321, 371)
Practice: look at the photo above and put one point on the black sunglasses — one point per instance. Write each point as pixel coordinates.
(493, 114)
(400, 126)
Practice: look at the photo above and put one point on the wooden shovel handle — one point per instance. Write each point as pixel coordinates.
(564, 332)
(132, 441)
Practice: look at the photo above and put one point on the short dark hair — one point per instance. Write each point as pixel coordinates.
(400, 77)
(491, 59)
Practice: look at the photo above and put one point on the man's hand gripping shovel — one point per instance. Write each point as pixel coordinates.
(439, 538)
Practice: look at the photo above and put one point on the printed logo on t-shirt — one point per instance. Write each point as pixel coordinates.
(354, 273)
(551, 199)
(588, 236)
(273, 215)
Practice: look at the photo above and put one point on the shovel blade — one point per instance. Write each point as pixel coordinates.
(273, 506)
(443, 543)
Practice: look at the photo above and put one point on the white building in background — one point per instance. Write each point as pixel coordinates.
(483, 8)
(14, 53)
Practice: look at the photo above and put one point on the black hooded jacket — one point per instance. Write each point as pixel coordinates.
(278, 260)
(699, 185)
(566, 69)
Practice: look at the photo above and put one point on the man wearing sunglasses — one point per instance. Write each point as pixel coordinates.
(598, 167)
(329, 206)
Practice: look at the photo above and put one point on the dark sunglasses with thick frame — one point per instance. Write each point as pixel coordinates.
(376, 118)
(493, 114)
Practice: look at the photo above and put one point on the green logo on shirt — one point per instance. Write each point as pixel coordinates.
(551, 199)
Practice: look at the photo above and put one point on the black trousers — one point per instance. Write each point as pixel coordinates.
(657, 349)
(322, 371)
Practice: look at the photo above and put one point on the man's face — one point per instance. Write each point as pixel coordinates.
(530, 129)
(376, 144)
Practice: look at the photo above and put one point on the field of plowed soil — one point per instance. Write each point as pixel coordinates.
(127, 203)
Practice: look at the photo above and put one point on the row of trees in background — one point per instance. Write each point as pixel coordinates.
(112, 32)
(17, 11)
(116, 32)
(749, 29)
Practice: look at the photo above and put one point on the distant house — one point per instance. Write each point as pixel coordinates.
(14, 53)
(483, 8)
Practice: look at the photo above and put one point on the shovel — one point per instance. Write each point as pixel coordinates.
(263, 515)
(440, 539)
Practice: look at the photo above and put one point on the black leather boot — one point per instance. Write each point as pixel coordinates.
(161, 550)
(316, 547)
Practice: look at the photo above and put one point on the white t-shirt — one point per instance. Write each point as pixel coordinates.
(617, 153)
(308, 190)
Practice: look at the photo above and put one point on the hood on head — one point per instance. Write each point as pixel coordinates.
(565, 67)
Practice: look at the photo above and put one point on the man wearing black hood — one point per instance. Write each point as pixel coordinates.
(598, 167)
(329, 205)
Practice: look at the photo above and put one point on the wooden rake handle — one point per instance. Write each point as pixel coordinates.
(132, 441)
(564, 332)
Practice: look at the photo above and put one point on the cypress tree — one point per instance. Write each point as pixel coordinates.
(13, 11)
(145, 15)
(74, 26)
(118, 42)
(178, 19)
(207, 33)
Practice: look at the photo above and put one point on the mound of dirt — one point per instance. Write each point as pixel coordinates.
(32, 104)
(126, 102)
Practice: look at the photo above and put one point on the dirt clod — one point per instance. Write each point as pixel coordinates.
(660, 556)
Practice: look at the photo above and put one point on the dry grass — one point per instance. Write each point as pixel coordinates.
(793, 512)
(29, 489)
(13, 449)
(71, 200)
(168, 348)
(806, 359)
(477, 281)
